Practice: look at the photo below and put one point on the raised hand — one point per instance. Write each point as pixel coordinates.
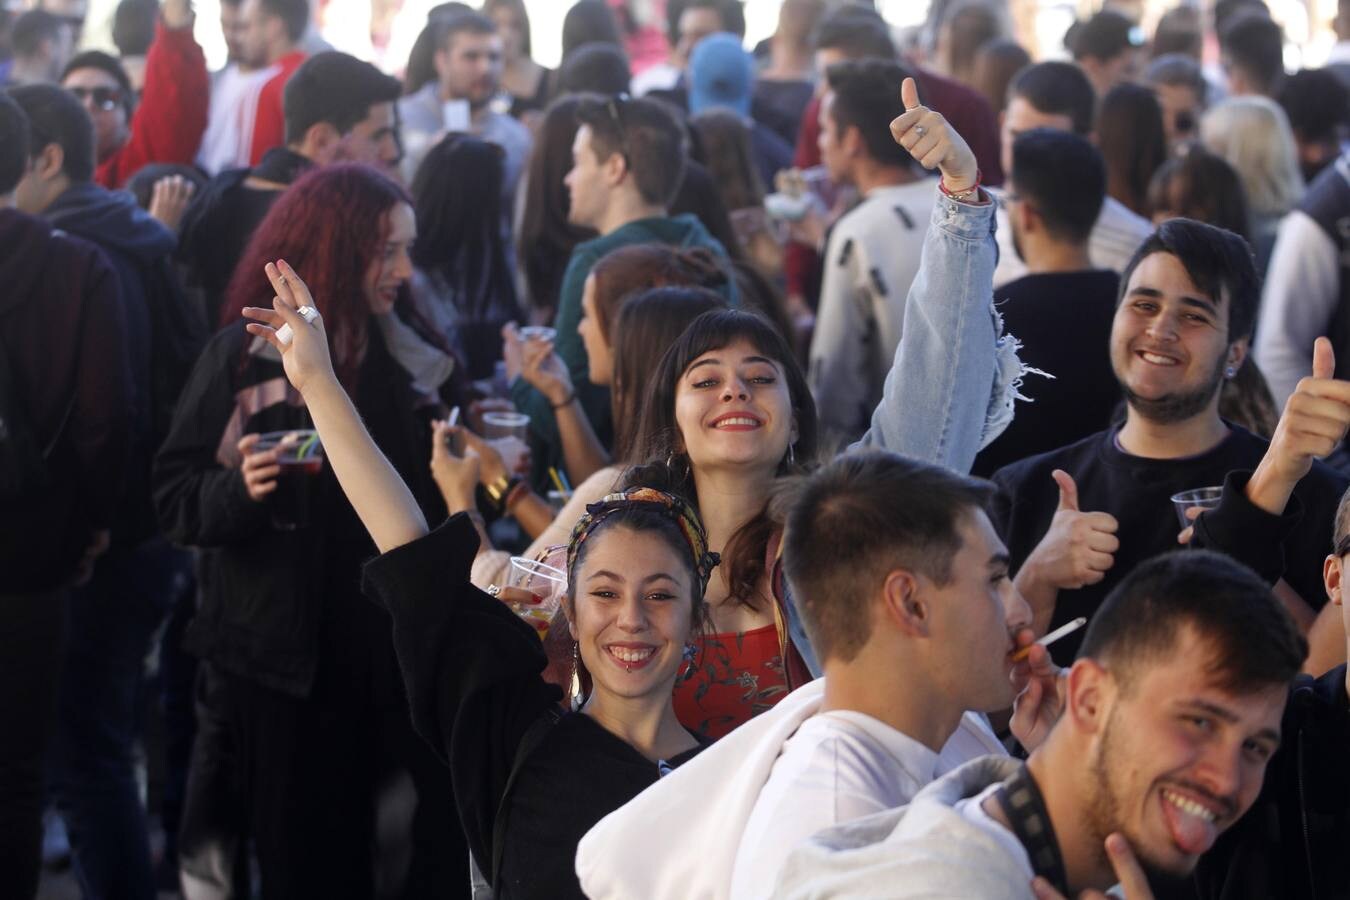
(546, 372)
(177, 13)
(1079, 547)
(1313, 424)
(456, 476)
(305, 356)
(932, 141)
(1130, 875)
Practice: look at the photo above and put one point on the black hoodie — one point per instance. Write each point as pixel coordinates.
(164, 332)
(63, 334)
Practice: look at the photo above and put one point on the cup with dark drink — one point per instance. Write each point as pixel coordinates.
(300, 457)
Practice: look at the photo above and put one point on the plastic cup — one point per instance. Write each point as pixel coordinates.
(1201, 498)
(538, 333)
(544, 582)
(300, 456)
(508, 433)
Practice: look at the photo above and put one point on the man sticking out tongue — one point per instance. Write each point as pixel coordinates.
(1170, 715)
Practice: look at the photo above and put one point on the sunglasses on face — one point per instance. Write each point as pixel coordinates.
(106, 99)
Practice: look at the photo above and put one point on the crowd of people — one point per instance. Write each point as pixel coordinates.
(868, 464)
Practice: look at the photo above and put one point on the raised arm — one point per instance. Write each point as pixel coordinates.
(377, 493)
(950, 387)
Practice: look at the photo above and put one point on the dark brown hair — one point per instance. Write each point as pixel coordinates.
(1252, 640)
(651, 140)
(855, 520)
(659, 438)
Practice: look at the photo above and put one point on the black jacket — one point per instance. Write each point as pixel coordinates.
(1295, 840)
(63, 334)
(264, 591)
(164, 333)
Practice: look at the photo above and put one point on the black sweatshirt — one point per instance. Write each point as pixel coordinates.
(1137, 491)
(472, 670)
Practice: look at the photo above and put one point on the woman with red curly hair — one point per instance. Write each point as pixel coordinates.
(301, 677)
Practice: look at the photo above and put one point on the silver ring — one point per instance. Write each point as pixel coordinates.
(308, 313)
(281, 278)
(494, 590)
(920, 130)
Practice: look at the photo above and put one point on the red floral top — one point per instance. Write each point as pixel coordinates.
(732, 678)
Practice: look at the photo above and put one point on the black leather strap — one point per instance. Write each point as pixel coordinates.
(1024, 807)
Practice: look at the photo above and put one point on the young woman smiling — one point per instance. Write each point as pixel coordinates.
(729, 412)
(529, 779)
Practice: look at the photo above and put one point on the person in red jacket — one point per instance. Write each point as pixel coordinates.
(270, 41)
(166, 125)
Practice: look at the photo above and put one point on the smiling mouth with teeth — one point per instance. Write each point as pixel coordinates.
(737, 421)
(1157, 359)
(628, 657)
(1189, 806)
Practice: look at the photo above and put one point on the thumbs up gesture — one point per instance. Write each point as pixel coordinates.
(1079, 547)
(933, 142)
(1313, 424)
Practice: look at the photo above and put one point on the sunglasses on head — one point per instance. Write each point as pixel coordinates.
(105, 98)
(614, 106)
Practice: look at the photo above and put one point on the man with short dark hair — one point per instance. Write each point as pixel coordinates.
(628, 161)
(270, 41)
(468, 75)
(1108, 47)
(165, 125)
(338, 108)
(1317, 103)
(872, 254)
(1061, 310)
(115, 616)
(1058, 95)
(1078, 518)
(1179, 83)
(64, 369)
(1171, 713)
(41, 43)
(1252, 47)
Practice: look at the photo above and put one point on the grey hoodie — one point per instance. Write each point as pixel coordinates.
(924, 851)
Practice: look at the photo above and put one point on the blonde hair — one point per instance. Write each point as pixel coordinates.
(1253, 135)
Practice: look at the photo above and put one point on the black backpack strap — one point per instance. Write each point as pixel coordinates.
(533, 736)
(1022, 804)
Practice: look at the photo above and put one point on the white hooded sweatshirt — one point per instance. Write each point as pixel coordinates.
(680, 838)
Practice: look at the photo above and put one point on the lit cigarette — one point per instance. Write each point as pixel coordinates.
(1062, 631)
(454, 417)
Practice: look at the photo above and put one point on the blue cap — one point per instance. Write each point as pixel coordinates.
(721, 74)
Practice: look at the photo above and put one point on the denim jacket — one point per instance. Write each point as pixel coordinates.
(955, 376)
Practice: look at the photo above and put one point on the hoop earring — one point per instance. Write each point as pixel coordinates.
(792, 454)
(670, 466)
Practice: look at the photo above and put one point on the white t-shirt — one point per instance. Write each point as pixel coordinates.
(870, 262)
(972, 811)
(839, 766)
(1115, 237)
(228, 139)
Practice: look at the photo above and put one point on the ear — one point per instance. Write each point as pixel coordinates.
(320, 142)
(49, 162)
(905, 605)
(441, 61)
(1027, 219)
(1331, 578)
(614, 169)
(1237, 352)
(853, 141)
(1089, 690)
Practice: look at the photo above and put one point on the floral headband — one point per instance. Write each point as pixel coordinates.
(658, 501)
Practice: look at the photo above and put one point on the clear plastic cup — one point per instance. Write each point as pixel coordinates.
(545, 582)
(508, 433)
(300, 456)
(1196, 498)
(538, 333)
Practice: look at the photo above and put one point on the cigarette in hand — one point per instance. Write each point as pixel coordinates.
(1062, 631)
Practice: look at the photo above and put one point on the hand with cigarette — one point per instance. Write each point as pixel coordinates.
(1313, 424)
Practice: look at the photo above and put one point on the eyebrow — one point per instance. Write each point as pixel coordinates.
(1227, 715)
(615, 576)
(1188, 299)
(718, 362)
(999, 561)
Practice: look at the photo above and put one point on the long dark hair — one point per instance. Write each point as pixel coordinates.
(1133, 143)
(659, 439)
(545, 238)
(457, 196)
(647, 323)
